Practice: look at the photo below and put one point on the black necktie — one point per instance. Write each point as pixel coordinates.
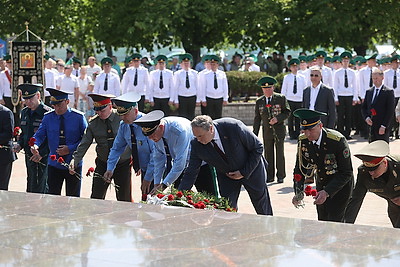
(215, 81)
(168, 154)
(110, 134)
(61, 140)
(295, 85)
(161, 81)
(76, 73)
(135, 81)
(268, 100)
(187, 80)
(376, 95)
(370, 78)
(219, 151)
(395, 80)
(106, 82)
(346, 81)
(135, 154)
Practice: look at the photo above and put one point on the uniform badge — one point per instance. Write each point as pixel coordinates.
(394, 174)
(396, 187)
(346, 153)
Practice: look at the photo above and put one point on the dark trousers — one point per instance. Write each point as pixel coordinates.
(333, 209)
(344, 115)
(395, 124)
(5, 173)
(187, 106)
(56, 179)
(162, 104)
(374, 133)
(141, 104)
(274, 146)
(8, 104)
(360, 124)
(214, 107)
(122, 179)
(294, 122)
(37, 174)
(206, 180)
(254, 185)
(394, 214)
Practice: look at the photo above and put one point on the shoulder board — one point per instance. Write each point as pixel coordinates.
(94, 117)
(77, 111)
(302, 136)
(334, 135)
(48, 112)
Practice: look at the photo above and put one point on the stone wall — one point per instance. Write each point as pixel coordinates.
(242, 111)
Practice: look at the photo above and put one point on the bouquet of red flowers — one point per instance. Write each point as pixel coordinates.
(97, 175)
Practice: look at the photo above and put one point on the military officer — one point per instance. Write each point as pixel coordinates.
(136, 79)
(63, 128)
(187, 94)
(272, 109)
(213, 86)
(31, 117)
(379, 174)
(324, 153)
(103, 128)
(131, 138)
(161, 89)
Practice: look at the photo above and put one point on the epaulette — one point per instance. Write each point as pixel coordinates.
(302, 136)
(259, 98)
(334, 135)
(50, 111)
(77, 111)
(94, 117)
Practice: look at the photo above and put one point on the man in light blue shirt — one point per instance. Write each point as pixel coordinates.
(131, 135)
(172, 136)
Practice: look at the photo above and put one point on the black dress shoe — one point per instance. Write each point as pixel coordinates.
(270, 180)
(280, 181)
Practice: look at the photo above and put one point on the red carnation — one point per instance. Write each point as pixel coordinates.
(53, 157)
(32, 141)
(268, 105)
(179, 194)
(202, 205)
(189, 197)
(60, 160)
(190, 202)
(160, 196)
(307, 190)
(17, 131)
(206, 200)
(228, 209)
(196, 206)
(313, 192)
(297, 177)
(373, 112)
(91, 169)
(171, 197)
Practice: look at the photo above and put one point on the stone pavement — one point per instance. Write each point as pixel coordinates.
(373, 211)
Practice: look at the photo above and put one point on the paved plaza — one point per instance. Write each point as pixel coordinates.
(373, 211)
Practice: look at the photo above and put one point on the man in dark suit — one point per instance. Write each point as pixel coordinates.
(236, 153)
(272, 109)
(320, 98)
(7, 156)
(378, 108)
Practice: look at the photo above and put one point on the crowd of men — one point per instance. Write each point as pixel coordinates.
(215, 154)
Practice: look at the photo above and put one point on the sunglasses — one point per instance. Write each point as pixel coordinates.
(314, 75)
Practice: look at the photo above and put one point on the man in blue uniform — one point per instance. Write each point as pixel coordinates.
(172, 136)
(130, 135)
(31, 117)
(63, 127)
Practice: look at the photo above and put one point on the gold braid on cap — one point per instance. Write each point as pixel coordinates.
(52, 98)
(370, 165)
(310, 124)
(148, 129)
(311, 168)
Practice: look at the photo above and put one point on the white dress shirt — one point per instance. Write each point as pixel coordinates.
(206, 85)
(180, 84)
(388, 80)
(154, 85)
(50, 78)
(114, 85)
(5, 86)
(288, 86)
(128, 80)
(339, 82)
(306, 73)
(363, 81)
(313, 95)
(68, 84)
(327, 76)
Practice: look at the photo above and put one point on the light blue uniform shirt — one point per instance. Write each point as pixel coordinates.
(144, 145)
(74, 128)
(178, 134)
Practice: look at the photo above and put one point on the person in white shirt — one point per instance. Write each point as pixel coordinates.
(213, 86)
(69, 83)
(250, 65)
(392, 80)
(85, 88)
(76, 63)
(292, 88)
(92, 68)
(161, 90)
(327, 75)
(50, 78)
(207, 67)
(346, 94)
(185, 82)
(136, 79)
(108, 81)
(304, 70)
(60, 65)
